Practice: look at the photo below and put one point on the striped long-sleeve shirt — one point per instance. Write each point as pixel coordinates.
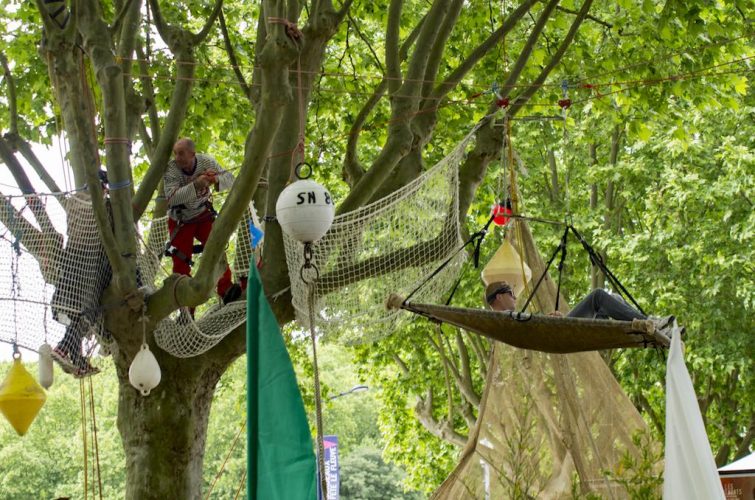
(185, 201)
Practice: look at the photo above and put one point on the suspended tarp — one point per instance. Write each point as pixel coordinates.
(690, 469)
(541, 333)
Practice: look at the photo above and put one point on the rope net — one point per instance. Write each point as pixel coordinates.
(56, 279)
(553, 425)
(181, 334)
(53, 270)
(389, 246)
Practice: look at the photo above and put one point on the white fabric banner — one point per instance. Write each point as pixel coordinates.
(690, 471)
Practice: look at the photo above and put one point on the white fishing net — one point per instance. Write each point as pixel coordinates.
(389, 246)
(53, 271)
(181, 335)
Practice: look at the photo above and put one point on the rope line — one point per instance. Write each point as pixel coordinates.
(318, 398)
(703, 72)
(362, 76)
(222, 467)
(95, 441)
(82, 407)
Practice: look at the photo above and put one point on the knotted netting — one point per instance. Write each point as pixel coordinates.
(553, 425)
(181, 334)
(389, 246)
(54, 270)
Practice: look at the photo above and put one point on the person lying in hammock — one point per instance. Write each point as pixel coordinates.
(598, 304)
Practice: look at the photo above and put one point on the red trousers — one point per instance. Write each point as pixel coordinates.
(183, 240)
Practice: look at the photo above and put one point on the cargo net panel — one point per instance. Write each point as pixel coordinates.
(553, 424)
(54, 270)
(390, 246)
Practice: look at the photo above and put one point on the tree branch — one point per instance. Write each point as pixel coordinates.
(10, 160)
(648, 408)
(11, 94)
(148, 91)
(443, 429)
(526, 52)
(412, 86)
(482, 353)
(178, 104)
(535, 85)
(478, 53)
(352, 167)
(199, 37)
(232, 59)
(45, 244)
(489, 143)
(403, 106)
(466, 371)
(157, 18)
(449, 388)
(116, 26)
(392, 57)
(590, 17)
(401, 364)
(25, 149)
(440, 349)
(274, 62)
(119, 239)
(747, 439)
(344, 9)
(367, 42)
(54, 24)
(439, 44)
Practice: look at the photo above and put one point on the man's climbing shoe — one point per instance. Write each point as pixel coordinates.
(64, 360)
(233, 294)
(85, 369)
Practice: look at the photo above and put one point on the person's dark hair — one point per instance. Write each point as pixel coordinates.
(103, 178)
(494, 289)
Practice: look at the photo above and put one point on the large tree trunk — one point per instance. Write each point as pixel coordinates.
(164, 435)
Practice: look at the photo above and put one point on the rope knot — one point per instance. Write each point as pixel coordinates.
(292, 30)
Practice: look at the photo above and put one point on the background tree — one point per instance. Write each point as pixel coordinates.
(382, 88)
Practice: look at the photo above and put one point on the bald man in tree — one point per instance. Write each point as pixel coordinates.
(188, 179)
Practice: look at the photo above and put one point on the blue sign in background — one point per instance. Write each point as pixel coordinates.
(332, 468)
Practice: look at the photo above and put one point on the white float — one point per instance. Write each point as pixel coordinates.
(144, 372)
(45, 365)
(305, 210)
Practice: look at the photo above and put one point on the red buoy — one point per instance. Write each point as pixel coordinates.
(501, 213)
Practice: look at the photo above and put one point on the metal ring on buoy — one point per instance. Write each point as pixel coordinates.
(298, 169)
(305, 280)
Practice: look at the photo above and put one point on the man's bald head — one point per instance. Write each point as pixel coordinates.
(185, 142)
(185, 154)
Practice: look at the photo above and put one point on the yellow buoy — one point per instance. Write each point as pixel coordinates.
(21, 397)
(506, 265)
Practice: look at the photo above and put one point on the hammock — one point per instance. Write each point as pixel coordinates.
(541, 333)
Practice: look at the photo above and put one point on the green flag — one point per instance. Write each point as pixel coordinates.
(281, 460)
